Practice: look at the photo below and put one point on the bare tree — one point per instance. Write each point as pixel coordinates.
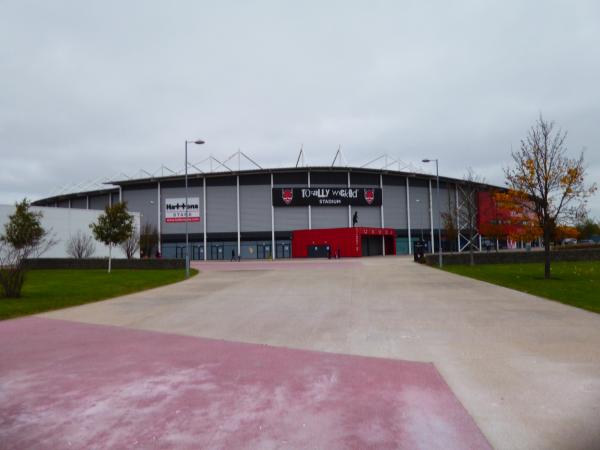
(547, 182)
(449, 224)
(132, 244)
(467, 214)
(80, 245)
(148, 240)
(23, 237)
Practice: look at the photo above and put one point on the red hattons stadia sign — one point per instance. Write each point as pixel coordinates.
(175, 209)
(326, 196)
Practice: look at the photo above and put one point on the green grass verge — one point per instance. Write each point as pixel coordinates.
(45, 290)
(573, 283)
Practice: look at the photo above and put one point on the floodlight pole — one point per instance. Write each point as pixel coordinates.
(187, 240)
(437, 176)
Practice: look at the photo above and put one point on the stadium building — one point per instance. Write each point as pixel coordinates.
(256, 213)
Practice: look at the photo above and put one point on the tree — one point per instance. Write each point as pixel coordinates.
(547, 182)
(494, 216)
(467, 214)
(148, 240)
(505, 217)
(449, 224)
(23, 237)
(588, 228)
(80, 245)
(113, 227)
(131, 245)
(562, 232)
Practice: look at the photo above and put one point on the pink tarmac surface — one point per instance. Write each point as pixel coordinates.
(209, 266)
(73, 385)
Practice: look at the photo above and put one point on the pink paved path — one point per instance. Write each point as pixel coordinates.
(72, 385)
(277, 265)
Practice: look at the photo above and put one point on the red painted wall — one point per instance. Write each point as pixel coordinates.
(348, 240)
(488, 211)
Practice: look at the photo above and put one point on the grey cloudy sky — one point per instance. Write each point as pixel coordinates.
(88, 89)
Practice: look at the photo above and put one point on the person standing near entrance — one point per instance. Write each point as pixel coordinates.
(355, 219)
(232, 255)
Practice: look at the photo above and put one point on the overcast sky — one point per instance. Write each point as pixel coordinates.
(90, 89)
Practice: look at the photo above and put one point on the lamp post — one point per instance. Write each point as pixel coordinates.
(437, 176)
(187, 241)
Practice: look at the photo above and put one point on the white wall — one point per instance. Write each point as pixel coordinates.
(62, 223)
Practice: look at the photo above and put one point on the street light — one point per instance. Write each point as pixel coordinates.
(187, 242)
(437, 176)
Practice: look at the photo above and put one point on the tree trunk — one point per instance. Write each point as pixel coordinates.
(109, 257)
(471, 255)
(546, 255)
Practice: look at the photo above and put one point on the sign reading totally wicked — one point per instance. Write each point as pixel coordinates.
(326, 196)
(175, 209)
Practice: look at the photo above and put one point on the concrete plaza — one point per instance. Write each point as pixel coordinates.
(526, 370)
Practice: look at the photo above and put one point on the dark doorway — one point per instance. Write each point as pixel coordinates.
(283, 251)
(216, 251)
(198, 252)
(318, 251)
(263, 251)
(372, 245)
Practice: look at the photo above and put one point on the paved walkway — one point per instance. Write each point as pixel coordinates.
(527, 370)
(92, 386)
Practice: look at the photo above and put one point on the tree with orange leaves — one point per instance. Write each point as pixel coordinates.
(494, 224)
(507, 218)
(546, 182)
(565, 232)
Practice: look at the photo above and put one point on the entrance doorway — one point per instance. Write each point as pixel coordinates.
(263, 251)
(198, 252)
(216, 251)
(372, 245)
(319, 251)
(283, 251)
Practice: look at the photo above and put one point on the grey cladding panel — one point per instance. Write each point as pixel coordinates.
(255, 207)
(339, 179)
(179, 192)
(329, 216)
(144, 202)
(419, 207)
(394, 206)
(79, 203)
(290, 179)
(99, 201)
(291, 218)
(368, 216)
(221, 209)
(358, 179)
(447, 201)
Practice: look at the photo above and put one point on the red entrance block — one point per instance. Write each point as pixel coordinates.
(349, 241)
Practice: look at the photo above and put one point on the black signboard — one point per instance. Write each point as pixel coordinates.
(326, 196)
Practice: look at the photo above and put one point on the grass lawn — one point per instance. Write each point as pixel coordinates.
(45, 290)
(573, 283)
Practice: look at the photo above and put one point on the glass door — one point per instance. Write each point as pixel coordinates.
(263, 251)
(216, 251)
(283, 250)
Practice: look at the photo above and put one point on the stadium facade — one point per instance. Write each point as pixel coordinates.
(253, 213)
